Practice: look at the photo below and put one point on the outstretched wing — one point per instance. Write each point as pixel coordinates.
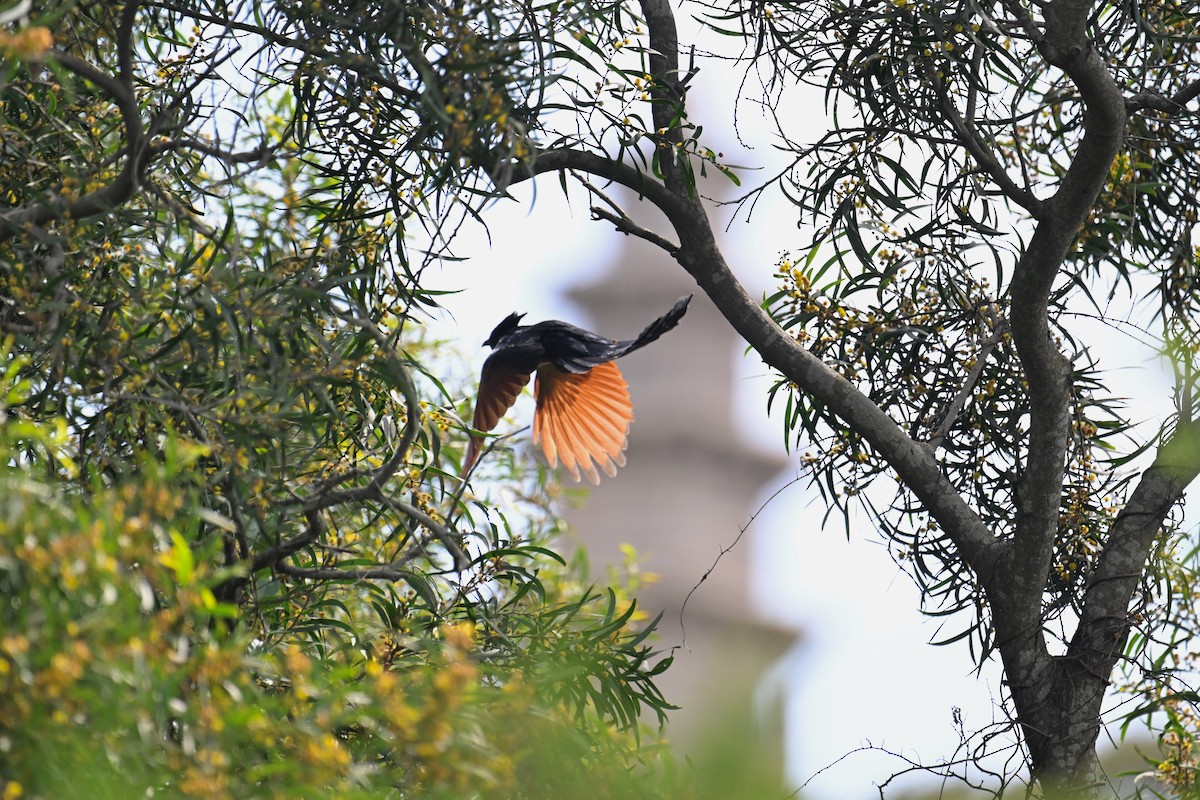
(583, 418)
(499, 386)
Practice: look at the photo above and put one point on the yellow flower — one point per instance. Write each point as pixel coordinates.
(28, 43)
(460, 635)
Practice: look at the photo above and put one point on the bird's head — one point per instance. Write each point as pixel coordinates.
(506, 326)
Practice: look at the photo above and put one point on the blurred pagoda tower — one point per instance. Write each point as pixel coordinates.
(690, 485)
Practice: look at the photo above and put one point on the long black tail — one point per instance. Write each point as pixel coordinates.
(575, 350)
(655, 329)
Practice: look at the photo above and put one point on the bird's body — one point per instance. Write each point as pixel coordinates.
(583, 408)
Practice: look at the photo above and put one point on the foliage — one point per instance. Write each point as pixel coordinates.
(906, 288)
(234, 550)
(121, 676)
(989, 185)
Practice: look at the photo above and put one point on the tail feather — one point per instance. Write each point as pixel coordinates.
(583, 351)
(656, 328)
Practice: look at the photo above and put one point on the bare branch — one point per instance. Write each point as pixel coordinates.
(623, 222)
(1175, 105)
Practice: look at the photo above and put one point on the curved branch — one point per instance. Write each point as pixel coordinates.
(114, 194)
(556, 159)
(699, 254)
(1058, 701)
(914, 462)
(325, 496)
(1047, 370)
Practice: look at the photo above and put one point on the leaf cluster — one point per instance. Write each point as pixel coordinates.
(117, 681)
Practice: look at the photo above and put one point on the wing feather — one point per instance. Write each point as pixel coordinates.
(499, 387)
(586, 415)
(552, 426)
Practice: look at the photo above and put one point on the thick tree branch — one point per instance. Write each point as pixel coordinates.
(699, 254)
(666, 90)
(1047, 370)
(1174, 105)
(1104, 622)
(914, 462)
(1057, 701)
(273, 555)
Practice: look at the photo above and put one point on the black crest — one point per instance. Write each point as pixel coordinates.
(506, 326)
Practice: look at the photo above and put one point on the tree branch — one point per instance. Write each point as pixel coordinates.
(122, 188)
(623, 222)
(667, 102)
(569, 158)
(1173, 106)
(387, 573)
(955, 406)
(1047, 370)
(1058, 701)
(1104, 622)
(324, 497)
(914, 462)
(981, 153)
(699, 254)
(273, 555)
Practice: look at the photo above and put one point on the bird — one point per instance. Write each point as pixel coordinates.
(583, 411)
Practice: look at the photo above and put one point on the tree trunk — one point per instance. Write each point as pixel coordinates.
(1060, 720)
